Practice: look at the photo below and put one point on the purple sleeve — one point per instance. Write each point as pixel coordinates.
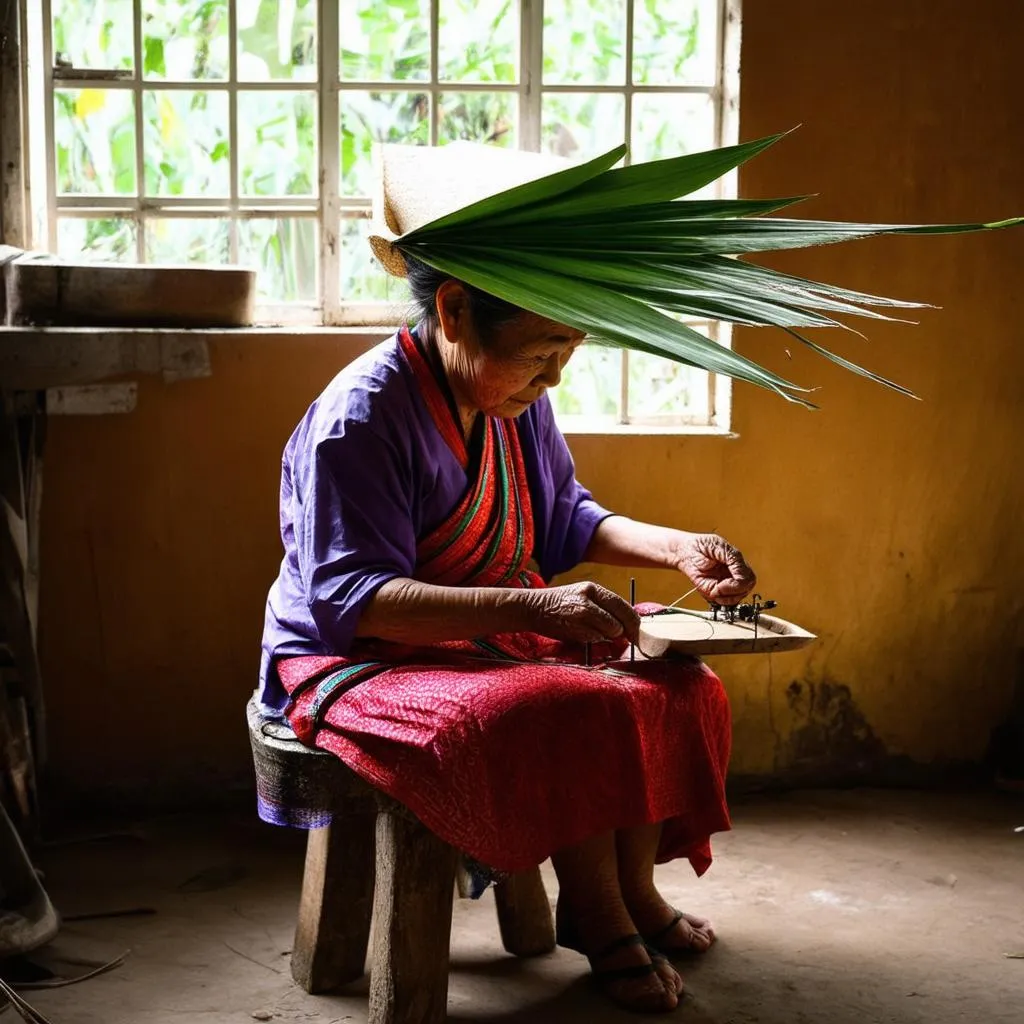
(353, 528)
(565, 513)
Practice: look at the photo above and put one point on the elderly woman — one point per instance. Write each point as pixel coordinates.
(427, 498)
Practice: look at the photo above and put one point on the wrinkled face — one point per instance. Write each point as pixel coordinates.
(505, 373)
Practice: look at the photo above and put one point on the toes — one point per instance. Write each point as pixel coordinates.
(674, 985)
(702, 935)
(690, 934)
(670, 978)
(670, 991)
(653, 993)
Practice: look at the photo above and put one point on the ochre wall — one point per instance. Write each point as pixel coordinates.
(892, 527)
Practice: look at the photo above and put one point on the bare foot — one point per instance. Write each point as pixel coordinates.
(670, 930)
(623, 967)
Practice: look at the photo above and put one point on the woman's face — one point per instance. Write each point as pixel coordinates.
(505, 373)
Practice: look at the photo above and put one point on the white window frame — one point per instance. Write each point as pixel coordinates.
(330, 207)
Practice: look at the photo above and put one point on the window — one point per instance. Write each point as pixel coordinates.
(218, 131)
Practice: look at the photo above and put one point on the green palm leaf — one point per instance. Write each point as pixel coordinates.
(852, 367)
(668, 212)
(640, 184)
(600, 311)
(719, 236)
(613, 251)
(736, 297)
(734, 271)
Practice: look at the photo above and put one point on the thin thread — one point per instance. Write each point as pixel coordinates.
(680, 611)
(683, 598)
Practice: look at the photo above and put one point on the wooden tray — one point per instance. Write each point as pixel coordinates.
(697, 633)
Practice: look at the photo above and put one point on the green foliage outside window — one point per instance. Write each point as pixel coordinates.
(186, 135)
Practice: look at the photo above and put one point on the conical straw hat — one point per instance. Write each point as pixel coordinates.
(418, 184)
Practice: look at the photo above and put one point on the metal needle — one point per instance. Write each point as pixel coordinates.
(632, 604)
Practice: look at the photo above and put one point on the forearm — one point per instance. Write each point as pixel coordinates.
(621, 541)
(409, 612)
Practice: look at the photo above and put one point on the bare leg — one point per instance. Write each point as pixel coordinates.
(590, 904)
(636, 849)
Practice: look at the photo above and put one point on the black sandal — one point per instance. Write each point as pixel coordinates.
(605, 977)
(653, 941)
(565, 936)
(655, 937)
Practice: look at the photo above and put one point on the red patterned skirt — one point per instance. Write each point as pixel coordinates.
(511, 749)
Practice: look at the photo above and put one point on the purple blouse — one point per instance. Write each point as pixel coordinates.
(365, 474)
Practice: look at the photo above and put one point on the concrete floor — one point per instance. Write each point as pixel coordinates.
(832, 908)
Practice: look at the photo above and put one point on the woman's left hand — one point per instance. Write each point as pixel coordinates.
(718, 570)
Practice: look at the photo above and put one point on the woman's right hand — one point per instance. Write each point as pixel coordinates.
(582, 613)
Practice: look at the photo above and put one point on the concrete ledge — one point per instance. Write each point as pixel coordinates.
(34, 358)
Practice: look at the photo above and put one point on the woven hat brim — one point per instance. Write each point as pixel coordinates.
(416, 185)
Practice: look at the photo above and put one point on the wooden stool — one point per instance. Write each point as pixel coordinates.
(375, 859)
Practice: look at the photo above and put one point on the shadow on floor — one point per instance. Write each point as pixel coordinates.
(833, 908)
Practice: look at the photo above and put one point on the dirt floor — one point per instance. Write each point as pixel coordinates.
(832, 908)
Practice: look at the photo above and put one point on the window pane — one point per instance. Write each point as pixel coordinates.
(188, 240)
(590, 383)
(184, 40)
(369, 117)
(92, 33)
(582, 125)
(277, 143)
(94, 136)
(660, 387)
(675, 42)
(284, 251)
(477, 116)
(276, 40)
(97, 238)
(362, 277)
(186, 143)
(478, 40)
(670, 124)
(584, 42)
(385, 40)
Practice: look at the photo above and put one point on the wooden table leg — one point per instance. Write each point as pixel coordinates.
(524, 914)
(412, 923)
(333, 929)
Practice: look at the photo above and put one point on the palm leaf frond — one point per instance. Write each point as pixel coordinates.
(613, 250)
(641, 184)
(603, 312)
(725, 236)
(736, 297)
(809, 291)
(852, 367)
